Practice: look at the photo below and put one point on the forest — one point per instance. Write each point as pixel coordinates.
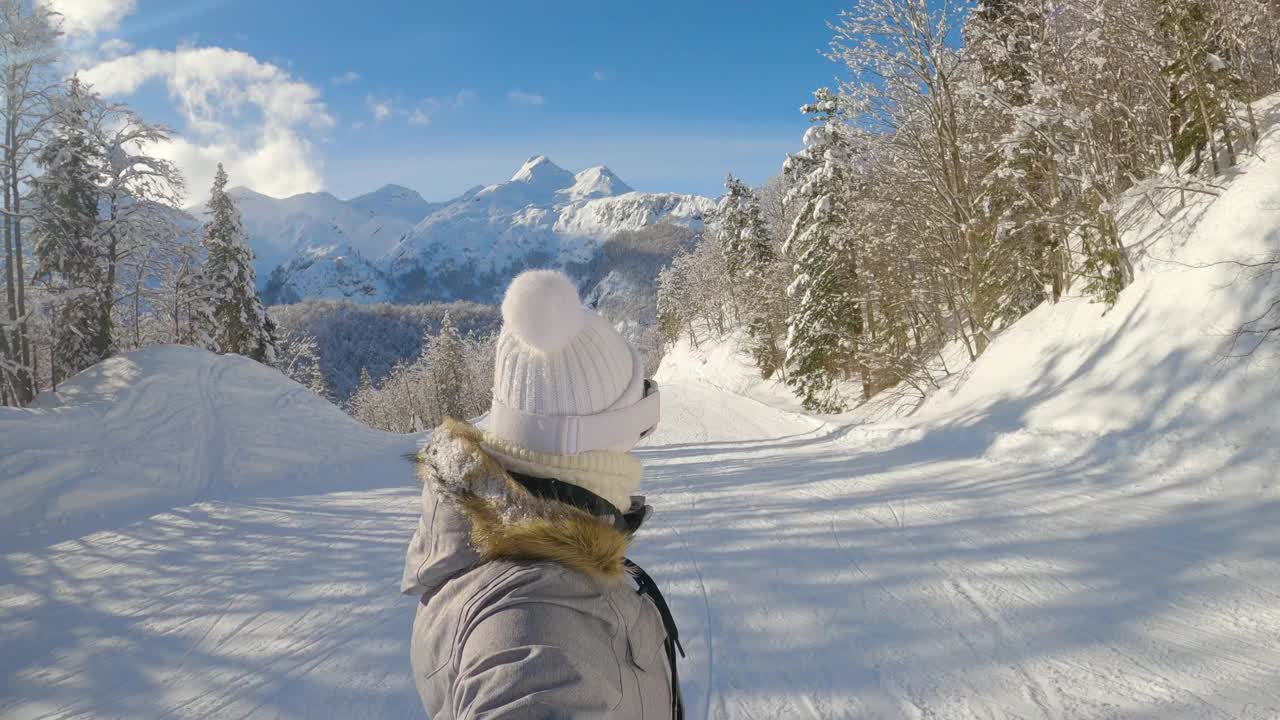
(974, 162)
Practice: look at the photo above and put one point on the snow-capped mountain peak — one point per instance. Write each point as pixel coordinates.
(540, 172)
(545, 216)
(389, 194)
(392, 245)
(595, 182)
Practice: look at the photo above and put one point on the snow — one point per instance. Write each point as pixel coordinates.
(544, 216)
(539, 172)
(327, 247)
(1082, 525)
(330, 272)
(724, 366)
(593, 183)
(391, 244)
(168, 425)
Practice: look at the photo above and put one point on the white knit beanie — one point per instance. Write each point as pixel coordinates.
(569, 395)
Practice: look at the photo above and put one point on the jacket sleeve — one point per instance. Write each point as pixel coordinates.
(536, 661)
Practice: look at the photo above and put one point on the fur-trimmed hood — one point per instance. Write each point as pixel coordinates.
(474, 512)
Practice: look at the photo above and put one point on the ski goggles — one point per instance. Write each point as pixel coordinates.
(573, 434)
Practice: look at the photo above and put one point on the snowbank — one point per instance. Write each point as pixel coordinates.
(1081, 524)
(1152, 383)
(168, 425)
(722, 364)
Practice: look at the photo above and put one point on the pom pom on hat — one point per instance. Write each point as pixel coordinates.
(542, 308)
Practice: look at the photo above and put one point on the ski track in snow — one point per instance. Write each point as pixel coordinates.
(815, 573)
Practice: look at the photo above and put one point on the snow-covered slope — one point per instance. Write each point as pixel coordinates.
(1084, 526)
(168, 425)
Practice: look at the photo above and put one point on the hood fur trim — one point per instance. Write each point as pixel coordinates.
(507, 521)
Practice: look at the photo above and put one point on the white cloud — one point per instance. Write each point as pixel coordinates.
(520, 97)
(600, 76)
(464, 97)
(430, 107)
(251, 116)
(381, 109)
(347, 78)
(85, 17)
(114, 48)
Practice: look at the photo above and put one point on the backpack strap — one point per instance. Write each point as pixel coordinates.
(647, 587)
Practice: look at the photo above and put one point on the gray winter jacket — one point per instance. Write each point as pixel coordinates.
(526, 611)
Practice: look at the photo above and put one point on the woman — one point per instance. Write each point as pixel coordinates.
(529, 608)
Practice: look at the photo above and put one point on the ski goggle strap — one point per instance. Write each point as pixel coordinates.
(574, 434)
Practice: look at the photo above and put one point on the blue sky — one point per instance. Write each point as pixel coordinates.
(444, 96)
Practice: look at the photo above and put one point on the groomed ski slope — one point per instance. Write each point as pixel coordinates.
(1087, 526)
(813, 577)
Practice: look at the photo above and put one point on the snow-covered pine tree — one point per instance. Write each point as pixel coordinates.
(745, 241)
(826, 323)
(1202, 84)
(240, 323)
(1019, 108)
(64, 223)
(445, 357)
(1051, 102)
(749, 259)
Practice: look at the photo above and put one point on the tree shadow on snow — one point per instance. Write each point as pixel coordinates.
(1023, 570)
(267, 607)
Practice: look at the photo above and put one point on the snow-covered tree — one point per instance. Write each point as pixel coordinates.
(64, 229)
(774, 211)
(240, 323)
(675, 298)
(453, 377)
(478, 358)
(29, 83)
(904, 98)
(695, 294)
(1203, 86)
(298, 357)
(363, 403)
(1019, 110)
(139, 231)
(449, 381)
(744, 238)
(826, 322)
(178, 297)
(750, 261)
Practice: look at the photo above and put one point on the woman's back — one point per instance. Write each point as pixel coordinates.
(526, 609)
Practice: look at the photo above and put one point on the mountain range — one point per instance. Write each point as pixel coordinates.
(391, 245)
